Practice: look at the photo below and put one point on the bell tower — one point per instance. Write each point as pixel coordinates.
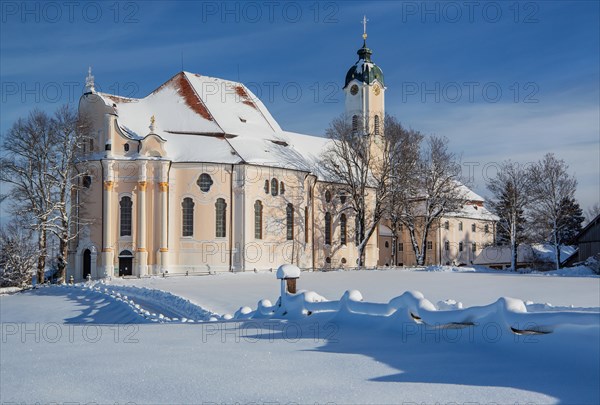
(364, 91)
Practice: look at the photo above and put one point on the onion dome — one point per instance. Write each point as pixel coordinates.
(364, 70)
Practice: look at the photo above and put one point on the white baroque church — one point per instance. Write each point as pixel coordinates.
(198, 177)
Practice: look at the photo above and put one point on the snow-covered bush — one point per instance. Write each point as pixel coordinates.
(18, 256)
(593, 263)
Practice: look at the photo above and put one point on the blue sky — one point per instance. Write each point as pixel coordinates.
(500, 79)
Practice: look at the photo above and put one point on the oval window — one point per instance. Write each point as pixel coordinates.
(204, 182)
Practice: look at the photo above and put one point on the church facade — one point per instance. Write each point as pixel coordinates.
(198, 177)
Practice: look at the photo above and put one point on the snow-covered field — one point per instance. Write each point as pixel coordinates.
(125, 341)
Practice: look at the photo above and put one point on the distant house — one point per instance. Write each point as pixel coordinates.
(454, 239)
(540, 256)
(588, 240)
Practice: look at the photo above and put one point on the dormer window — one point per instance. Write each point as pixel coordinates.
(242, 119)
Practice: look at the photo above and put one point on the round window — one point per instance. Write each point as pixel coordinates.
(354, 89)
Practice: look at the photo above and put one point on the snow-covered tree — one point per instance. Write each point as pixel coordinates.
(18, 255)
(511, 196)
(553, 188)
(592, 212)
(69, 132)
(39, 175)
(24, 168)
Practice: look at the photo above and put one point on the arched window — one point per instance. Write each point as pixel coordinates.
(354, 123)
(305, 224)
(204, 182)
(126, 147)
(327, 228)
(187, 217)
(327, 196)
(221, 220)
(87, 181)
(274, 187)
(125, 214)
(376, 125)
(266, 186)
(343, 229)
(289, 221)
(281, 188)
(258, 208)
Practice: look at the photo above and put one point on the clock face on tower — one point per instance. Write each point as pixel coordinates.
(354, 89)
(377, 89)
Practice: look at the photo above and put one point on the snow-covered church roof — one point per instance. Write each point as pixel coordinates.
(206, 119)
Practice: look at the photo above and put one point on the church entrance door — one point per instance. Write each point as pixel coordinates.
(125, 263)
(87, 263)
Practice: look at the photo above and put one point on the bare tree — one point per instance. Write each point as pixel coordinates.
(25, 167)
(433, 190)
(511, 196)
(360, 164)
(551, 186)
(402, 178)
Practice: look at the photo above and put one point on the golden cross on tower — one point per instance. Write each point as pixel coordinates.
(364, 23)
